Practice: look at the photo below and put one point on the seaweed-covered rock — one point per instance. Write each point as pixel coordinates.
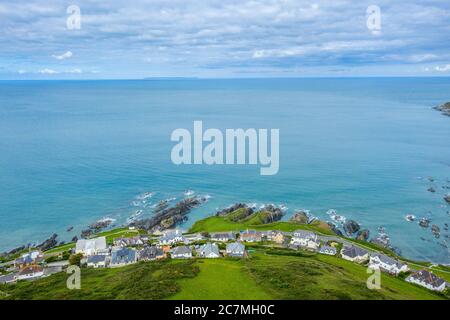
(363, 235)
(351, 226)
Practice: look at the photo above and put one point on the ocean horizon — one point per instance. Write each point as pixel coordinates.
(75, 152)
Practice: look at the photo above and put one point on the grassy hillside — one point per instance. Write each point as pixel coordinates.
(215, 224)
(272, 274)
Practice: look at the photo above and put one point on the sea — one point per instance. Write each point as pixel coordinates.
(75, 152)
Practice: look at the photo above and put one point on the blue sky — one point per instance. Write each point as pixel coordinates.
(222, 38)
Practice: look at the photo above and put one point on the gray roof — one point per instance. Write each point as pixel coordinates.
(52, 270)
(235, 247)
(6, 278)
(428, 278)
(96, 259)
(150, 252)
(181, 250)
(327, 248)
(388, 260)
(354, 251)
(208, 248)
(221, 235)
(123, 255)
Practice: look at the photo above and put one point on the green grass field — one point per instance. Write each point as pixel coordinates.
(220, 279)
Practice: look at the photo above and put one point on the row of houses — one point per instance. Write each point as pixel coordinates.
(98, 254)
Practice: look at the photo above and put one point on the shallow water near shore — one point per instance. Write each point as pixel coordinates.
(73, 152)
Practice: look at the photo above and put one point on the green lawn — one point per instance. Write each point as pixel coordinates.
(220, 279)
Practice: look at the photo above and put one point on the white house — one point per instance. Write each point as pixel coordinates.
(30, 273)
(354, 254)
(428, 280)
(172, 237)
(182, 252)
(387, 264)
(329, 250)
(304, 238)
(122, 256)
(89, 247)
(208, 250)
(235, 249)
(97, 261)
(223, 236)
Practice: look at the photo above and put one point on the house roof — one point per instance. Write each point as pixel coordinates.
(52, 270)
(221, 235)
(327, 248)
(150, 252)
(388, 260)
(123, 255)
(181, 250)
(30, 270)
(209, 248)
(91, 244)
(6, 278)
(171, 235)
(354, 251)
(96, 259)
(235, 247)
(428, 278)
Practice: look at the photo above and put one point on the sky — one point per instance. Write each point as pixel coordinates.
(223, 38)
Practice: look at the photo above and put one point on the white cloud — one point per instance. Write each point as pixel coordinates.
(443, 68)
(64, 56)
(48, 71)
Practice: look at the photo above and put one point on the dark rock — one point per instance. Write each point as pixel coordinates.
(300, 217)
(69, 229)
(444, 108)
(424, 222)
(351, 226)
(447, 198)
(231, 209)
(74, 239)
(335, 230)
(169, 217)
(49, 243)
(436, 231)
(363, 235)
(431, 189)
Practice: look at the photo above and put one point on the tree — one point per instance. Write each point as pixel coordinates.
(75, 259)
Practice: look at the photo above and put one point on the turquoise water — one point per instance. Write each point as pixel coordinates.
(74, 152)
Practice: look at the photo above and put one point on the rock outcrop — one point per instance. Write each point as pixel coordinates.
(169, 217)
(300, 217)
(49, 243)
(444, 108)
(363, 235)
(351, 226)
